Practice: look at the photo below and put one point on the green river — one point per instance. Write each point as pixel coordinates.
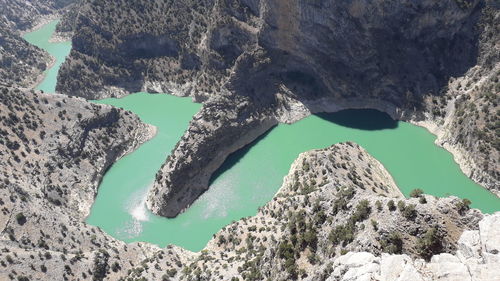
(251, 177)
(59, 51)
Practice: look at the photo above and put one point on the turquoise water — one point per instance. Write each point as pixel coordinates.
(251, 177)
(59, 51)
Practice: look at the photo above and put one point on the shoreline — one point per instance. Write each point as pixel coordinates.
(52, 60)
(301, 110)
(42, 75)
(42, 21)
(58, 37)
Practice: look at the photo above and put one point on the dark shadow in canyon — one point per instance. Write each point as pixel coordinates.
(235, 157)
(362, 119)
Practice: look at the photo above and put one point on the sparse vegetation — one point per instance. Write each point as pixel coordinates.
(416, 193)
(430, 244)
(463, 205)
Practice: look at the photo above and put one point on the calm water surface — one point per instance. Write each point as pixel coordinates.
(59, 51)
(251, 177)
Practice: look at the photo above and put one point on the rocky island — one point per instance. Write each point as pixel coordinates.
(253, 64)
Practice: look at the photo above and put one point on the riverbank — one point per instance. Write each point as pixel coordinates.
(439, 127)
(57, 51)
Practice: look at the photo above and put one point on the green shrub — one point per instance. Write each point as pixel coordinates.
(430, 244)
(416, 193)
(342, 234)
(312, 258)
(393, 244)
(463, 206)
(401, 205)
(21, 219)
(409, 212)
(391, 206)
(362, 212)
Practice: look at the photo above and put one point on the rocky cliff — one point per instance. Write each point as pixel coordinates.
(256, 63)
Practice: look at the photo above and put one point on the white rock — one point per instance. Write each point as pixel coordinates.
(356, 259)
(365, 272)
(398, 268)
(448, 267)
(469, 247)
(489, 230)
(485, 272)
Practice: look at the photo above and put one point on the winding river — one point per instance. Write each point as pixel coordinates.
(251, 177)
(58, 51)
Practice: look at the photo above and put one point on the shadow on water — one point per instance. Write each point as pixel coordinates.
(362, 119)
(235, 157)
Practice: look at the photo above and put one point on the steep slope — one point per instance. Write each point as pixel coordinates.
(20, 63)
(24, 14)
(256, 63)
(54, 151)
(332, 220)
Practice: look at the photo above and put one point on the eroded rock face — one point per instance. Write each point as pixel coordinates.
(396, 50)
(283, 60)
(214, 132)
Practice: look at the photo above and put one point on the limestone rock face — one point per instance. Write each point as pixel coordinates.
(398, 268)
(489, 232)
